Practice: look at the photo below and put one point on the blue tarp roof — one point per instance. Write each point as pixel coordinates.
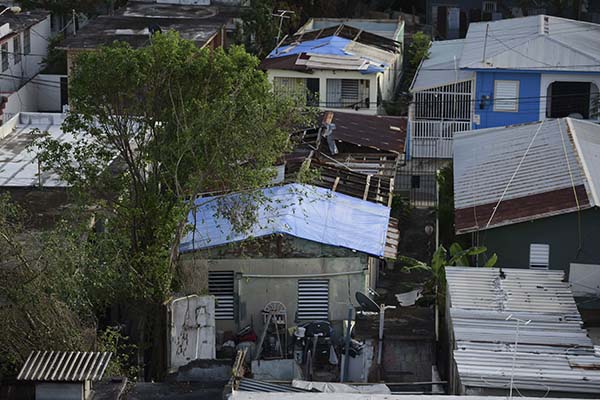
(303, 211)
(330, 46)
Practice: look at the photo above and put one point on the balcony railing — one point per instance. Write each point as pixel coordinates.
(433, 139)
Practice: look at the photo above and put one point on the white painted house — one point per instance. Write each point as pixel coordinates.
(340, 66)
(24, 39)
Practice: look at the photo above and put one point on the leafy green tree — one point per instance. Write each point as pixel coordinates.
(417, 51)
(156, 127)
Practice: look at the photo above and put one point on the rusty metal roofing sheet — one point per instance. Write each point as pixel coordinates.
(554, 352)
(64, 366)
(521, 161)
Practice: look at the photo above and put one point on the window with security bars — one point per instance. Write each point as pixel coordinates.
(489, 6)
(313, 299)
(220, 285)
(539, 256)
(4, 51)
(17, 51)
(506, 96)
(27, 42)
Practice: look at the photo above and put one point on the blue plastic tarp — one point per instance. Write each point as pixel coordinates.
(303, 211)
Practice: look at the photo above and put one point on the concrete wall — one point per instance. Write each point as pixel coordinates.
(511, 242)
(63, 391)
(280, 283)
(49, 92)
(41, 94)
(30, 64)
(529, 101)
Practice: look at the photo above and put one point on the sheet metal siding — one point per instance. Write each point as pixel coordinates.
(63, 366)
(484, 162)
(528, 107)
(554, 352)
(303, 211)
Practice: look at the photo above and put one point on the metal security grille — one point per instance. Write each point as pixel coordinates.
(539, 256)
(349, 92)
(313, 299)
(220, 285)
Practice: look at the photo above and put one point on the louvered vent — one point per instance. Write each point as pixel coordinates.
(220, 285)
(506, 96)
(313, 299)
(539, 256)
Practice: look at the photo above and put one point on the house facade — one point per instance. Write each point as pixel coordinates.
(529, 192)
(340, 66)
(504, 72)
(24, 41)
(310, 249)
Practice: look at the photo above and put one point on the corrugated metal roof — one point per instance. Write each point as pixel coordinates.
(441, 67)
(547, 164)
(389, 28)
(18, 165)
(253, 385)
(303, 211)
(554, 353)
(64, 366)
(538, 41)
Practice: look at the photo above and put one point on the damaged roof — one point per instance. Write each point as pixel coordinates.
(23, 20)
(554, 352)
(133, 24)
(336, 48)
(304, 211)
(388, 28)
(518, 173)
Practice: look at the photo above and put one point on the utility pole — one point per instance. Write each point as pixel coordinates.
(281, 14)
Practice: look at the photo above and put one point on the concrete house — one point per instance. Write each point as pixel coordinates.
(310, 249)
(344, 66)
(23, 47)
(530, 193)
(504, 72)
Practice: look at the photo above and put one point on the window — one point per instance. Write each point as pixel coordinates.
(313, 299)
(348, 93)
(27, 42)
(489, 6)
(220, 285)
(506, 95)
(4, 51)
(17, 49)
(539, 256)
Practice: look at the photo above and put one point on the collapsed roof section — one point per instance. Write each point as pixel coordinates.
(339, 47)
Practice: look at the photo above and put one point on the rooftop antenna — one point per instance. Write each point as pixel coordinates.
(282, 14)
(514, 360)
(487, 28)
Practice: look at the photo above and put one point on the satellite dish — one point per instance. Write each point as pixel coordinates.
(366, 303)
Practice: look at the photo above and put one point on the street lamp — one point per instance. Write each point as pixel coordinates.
(13, 9)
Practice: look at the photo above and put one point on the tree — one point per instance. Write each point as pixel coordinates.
(66, 7)
(418, 50)
(156, 127)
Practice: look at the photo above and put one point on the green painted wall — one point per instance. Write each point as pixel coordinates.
(561, 232)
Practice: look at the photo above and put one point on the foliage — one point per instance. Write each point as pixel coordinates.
(457, 256)
(121, 363)
(418, 50)
(260, 27)
(42, 289)
(155, 127)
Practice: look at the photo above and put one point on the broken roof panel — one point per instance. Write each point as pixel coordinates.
(536, 170)
(374, 131)
(303, 211)
(554, 352)
(388, 28)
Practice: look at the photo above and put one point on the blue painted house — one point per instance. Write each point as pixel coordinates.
(505, 72)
